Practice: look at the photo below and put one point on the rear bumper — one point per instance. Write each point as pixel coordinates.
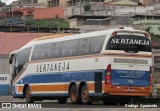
(127, 91)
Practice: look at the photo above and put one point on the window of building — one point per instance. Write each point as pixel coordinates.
(35, 1)
(157, 59)
(97, 0)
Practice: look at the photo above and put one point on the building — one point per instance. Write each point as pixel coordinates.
(19, 16)
(53, 12)
(55, 3)
(91, 23)
(16, 16)
(146, 2)
(157, 7)
(18, 12)
(150, 23)
(107, 7)
(125, 7)
(80, 7)
(28, 1)
(28, 4)
(48, 3)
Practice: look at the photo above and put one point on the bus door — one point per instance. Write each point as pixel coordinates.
(13, 65)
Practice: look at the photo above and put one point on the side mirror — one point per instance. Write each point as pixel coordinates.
(11, 59)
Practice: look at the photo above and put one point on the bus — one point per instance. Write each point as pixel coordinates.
(112, 66)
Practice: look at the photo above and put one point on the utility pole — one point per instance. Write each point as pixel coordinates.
(58, 23)
(80, 7)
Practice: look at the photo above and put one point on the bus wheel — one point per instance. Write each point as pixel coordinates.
(74, 95)
(28, 96)
(62, 100)
(85, 95)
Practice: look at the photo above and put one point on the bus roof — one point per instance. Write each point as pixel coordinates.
(64, 37)
(50, 37)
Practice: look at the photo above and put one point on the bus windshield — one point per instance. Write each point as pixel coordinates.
(127, 43)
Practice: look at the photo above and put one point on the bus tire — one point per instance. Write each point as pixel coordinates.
(85, 96)
(62, 100)
(28, 96)
(74, 95)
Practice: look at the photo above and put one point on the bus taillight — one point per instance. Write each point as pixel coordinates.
(150, 78)
(108, 75)
(114, 33)
(147, 35)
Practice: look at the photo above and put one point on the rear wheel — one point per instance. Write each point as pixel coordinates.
(28, 96)
(62, 100)
(85, 95)
(74, 94)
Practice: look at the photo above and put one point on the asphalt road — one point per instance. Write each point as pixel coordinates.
(52, 105)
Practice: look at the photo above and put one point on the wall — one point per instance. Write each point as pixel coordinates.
(157, 5)
(63, 3)
(73, 23)
(13, 41)
(43, 1)
(129, 10)
(5, 80)
(41, 13)
(75, 10)
(4, 66)
(8, 43)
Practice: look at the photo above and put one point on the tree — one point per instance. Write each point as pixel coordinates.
(87, 6)
(2, 4)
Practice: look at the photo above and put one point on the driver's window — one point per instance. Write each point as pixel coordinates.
(21, 59)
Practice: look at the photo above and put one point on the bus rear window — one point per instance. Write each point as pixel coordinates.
(129, 43)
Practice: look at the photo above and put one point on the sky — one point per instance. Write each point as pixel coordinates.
(8, 1)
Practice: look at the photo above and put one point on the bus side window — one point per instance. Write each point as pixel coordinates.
(53, 50)
(39, 52)
(23, 57)
(84, 46)
(97, 44)
(70, 48)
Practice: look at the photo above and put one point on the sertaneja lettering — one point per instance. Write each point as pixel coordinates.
(130, 41)
(53, 67)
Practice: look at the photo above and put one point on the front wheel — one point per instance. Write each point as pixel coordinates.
(28, 96)
(85, 95)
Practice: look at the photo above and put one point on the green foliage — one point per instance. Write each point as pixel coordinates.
(87, 6)
(2, 3)
(52, 23)
(155, 37)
